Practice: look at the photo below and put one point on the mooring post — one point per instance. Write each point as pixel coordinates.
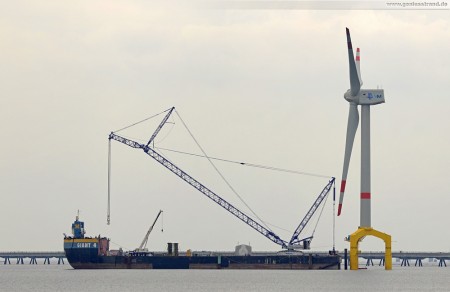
(345, 259)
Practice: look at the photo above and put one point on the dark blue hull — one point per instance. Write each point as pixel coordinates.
(80, 259)
(94, 253)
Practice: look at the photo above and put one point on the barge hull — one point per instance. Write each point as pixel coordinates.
(268, 262)
(93, 253)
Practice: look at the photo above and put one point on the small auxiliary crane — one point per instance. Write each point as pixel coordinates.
(142, 247)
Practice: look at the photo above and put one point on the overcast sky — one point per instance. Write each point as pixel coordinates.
(259, 86)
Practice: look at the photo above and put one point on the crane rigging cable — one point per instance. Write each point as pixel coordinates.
(248, 164)
(215, 158)
(141, 121)
(320, 215)
(220, 174)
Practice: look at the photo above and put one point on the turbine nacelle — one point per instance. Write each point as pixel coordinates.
(365, 96)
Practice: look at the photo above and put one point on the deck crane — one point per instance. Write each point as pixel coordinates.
(294, 243)
(143, 245)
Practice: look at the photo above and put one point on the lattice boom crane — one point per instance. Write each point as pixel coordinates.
(144, 241)
(293, 243)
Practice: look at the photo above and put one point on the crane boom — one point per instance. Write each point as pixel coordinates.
(200, 187)
(294, 240)
(144, 241)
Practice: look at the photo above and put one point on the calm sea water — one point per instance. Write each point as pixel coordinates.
(63, 278)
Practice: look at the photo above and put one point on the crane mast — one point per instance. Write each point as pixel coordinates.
(163, 122)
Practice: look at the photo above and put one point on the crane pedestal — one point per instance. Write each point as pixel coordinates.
(359, 235)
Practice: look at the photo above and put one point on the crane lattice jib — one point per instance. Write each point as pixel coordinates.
(200, 187)
(163, 122)
(312, 210)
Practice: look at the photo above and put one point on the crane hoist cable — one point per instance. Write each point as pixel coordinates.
(108, 219)
(108, 211)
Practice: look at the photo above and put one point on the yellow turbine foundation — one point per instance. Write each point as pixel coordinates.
(359, 235)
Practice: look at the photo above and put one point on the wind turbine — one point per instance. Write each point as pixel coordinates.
(365, 98)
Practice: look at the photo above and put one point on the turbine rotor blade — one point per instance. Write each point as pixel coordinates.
(355, 84)
(352, 126)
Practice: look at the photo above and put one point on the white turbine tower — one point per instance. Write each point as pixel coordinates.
(365, 98)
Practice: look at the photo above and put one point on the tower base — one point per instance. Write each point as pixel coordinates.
(359, 235)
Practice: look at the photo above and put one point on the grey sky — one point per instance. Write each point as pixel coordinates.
(261, 86)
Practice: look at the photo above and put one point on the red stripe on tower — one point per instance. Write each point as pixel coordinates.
(365, 196)
(343, 182)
